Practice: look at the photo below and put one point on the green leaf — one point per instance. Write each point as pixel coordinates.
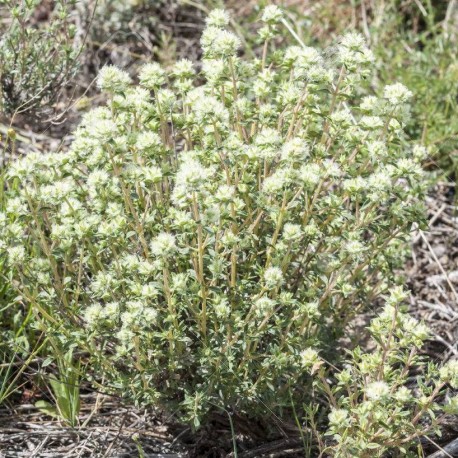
(373, 445)
(47, 408)
(47, 361)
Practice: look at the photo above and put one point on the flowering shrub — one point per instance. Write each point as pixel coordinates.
(375, 408)
(198, 238)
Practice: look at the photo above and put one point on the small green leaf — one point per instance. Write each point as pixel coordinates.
(47, 408)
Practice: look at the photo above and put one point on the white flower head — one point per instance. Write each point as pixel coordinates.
(397, 94)
(152, 75)
(16, 255)
(419, 331)
(264, 305)
(291, 55)
(449, 373)
(371, 122)
(152, 174)
(420, 152)
(113, 79)
(163, 245)
(403, 394)
(369, 103)
(222, 308)
(276, 182)
(149, 315)
(111, 311)
(309, 358)
(377, 149)
(225, 193)
(378, 390)
(183, 68)
(397, 295)
(272, 14)
(149, 291)
(191, 176)
(125, 335)
(148, 141)
(16, 206)
(312, 309)
(342, 117)
(268, 141)
(93, 314)
(353, 52)
(290, 93)
(166, 100)
(213, 69)
(354, 248)
(307, 58)
(354, 41)
(295, 149)
(208, 110)
(291, 232)
(218, 18)
(98, 178)
(219, 44)
(137, 99)
(273, 276)
(310, 175)
(103, 130)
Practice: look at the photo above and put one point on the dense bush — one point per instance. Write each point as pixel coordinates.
(200, 239)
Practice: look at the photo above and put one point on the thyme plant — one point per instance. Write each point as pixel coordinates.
(200, 236)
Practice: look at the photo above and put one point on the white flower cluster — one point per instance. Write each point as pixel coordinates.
(112, 79)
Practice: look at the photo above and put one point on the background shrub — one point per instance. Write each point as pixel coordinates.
(37, 58)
